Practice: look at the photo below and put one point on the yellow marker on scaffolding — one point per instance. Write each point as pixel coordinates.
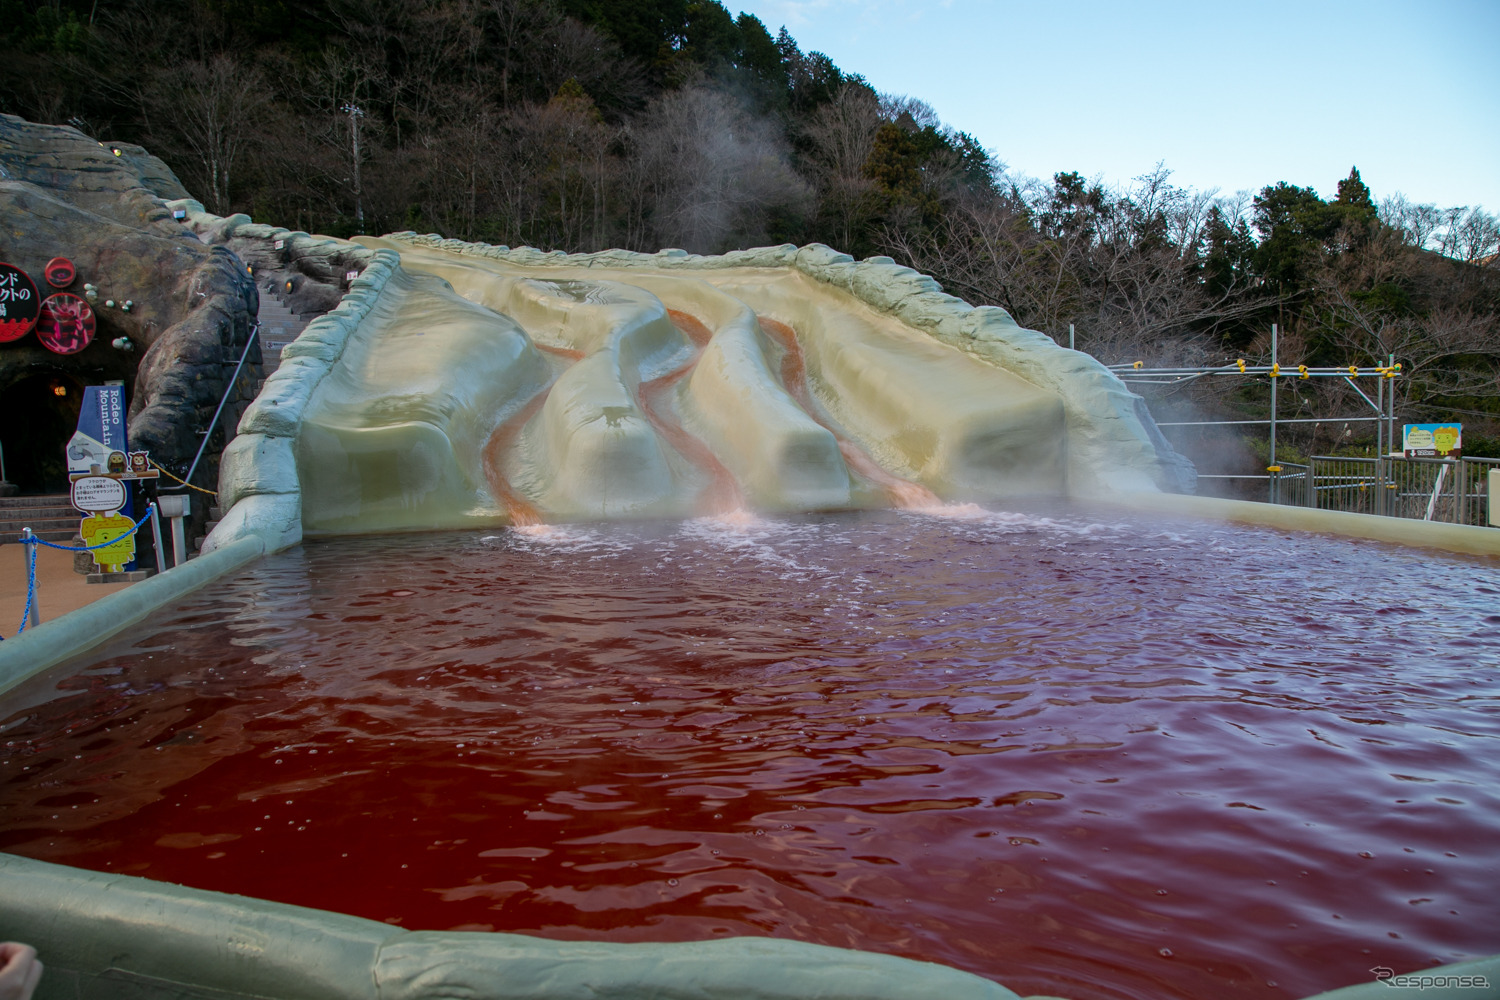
(1241, 363)
(1139, 364)
(1273, 468)
(1353, 370)
(1275, 370)
(1302, 371)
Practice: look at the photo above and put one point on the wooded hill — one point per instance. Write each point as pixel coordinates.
(586, 124)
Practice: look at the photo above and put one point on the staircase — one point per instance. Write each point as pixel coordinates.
(50, 517)
(279, 326)
(215, 515)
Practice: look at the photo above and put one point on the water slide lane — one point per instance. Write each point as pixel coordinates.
(900, 492)
(635, 428)
(592, 451)
(394, 436)
(722, 494)
(731, 401)
(921, 409)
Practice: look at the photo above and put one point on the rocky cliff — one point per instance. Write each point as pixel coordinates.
(191, 304)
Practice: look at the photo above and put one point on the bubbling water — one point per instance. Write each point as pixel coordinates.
(1093, 758)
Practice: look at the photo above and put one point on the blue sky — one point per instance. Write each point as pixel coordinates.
(1230, 96)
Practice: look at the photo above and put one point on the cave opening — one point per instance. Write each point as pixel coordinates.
(38, 414)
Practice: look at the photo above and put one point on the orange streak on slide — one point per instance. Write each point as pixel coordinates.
(521, 510)
(692, 327)
(722, 494)
(562, 352)
(902, 492)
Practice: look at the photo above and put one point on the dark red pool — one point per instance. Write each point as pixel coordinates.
(1078, 754)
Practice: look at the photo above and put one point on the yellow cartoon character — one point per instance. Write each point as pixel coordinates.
(1444, 439)
(98, 528)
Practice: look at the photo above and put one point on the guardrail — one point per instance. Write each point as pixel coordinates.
(1455, 491)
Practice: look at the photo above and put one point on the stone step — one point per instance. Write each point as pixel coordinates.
(48, 513)
(279, 326)
(13, 525)
(208, 528)
(50, 516)
(37, 500)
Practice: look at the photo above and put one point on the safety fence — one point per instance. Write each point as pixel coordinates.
(1456, 491)
(28, 613)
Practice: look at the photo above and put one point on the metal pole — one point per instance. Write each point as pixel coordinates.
(233, 381)
(1390, 434)
(1460, 490)
(1380, 497)
(179, 542)
(1071, 342)
(35, 613)
(1272, 463)
(161, 557)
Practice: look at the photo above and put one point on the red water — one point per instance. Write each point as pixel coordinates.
(1087, 757)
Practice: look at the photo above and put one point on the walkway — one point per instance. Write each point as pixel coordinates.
(59, 589)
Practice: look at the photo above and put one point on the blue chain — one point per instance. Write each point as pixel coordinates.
(29, 613)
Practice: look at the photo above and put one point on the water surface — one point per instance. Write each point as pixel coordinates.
(1087, 755)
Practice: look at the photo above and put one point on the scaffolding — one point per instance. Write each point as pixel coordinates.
(1383, 405)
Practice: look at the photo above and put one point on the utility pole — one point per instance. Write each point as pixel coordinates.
(355, 113)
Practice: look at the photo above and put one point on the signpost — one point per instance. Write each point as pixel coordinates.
(101, 430)
(66, 323)
(19, 303)
(60, 272)
(1433, 440)
(100, 465)
(102, 497)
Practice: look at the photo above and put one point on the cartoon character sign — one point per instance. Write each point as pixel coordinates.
(66, 323)
(19, 303)
(114, 528)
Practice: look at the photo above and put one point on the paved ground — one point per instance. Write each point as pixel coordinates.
(59, 589)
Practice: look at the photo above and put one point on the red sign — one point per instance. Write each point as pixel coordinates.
(19, 303)
(60, 272)
(66, 324)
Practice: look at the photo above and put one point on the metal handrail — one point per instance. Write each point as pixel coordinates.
(233, 381)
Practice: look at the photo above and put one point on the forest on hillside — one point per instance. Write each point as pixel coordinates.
(586, 124)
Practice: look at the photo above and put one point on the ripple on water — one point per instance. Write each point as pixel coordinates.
(1090, 757)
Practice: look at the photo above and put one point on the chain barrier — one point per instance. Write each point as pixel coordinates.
(184, 482)
(31, 542)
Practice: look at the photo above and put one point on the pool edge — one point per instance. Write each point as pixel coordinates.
(1464, 539)
(37, 649)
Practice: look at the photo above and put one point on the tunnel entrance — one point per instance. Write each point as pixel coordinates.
(38, 414)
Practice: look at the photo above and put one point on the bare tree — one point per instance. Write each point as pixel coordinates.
(211, 110)
(841, 134)
(711, 173)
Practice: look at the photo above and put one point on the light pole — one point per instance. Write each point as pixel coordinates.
(355, 113)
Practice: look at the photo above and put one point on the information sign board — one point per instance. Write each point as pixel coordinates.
(1433, 440)
(19, 303)
(97, 493)
(66, 323)
(101, 430)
